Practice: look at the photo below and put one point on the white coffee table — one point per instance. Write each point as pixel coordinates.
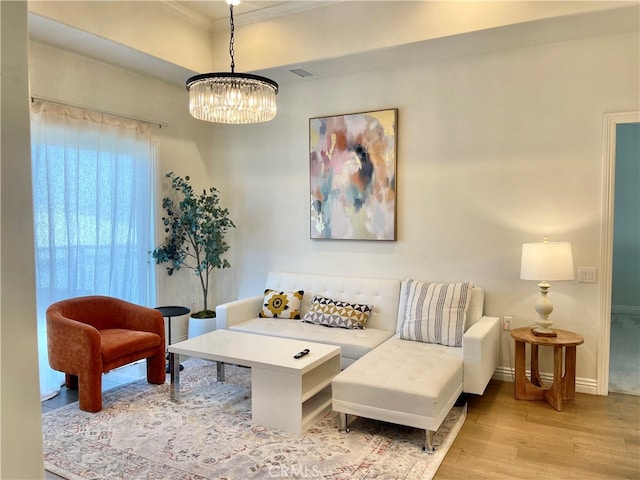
(286, 393)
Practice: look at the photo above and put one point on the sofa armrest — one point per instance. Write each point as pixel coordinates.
(480, 352)
(232, 313)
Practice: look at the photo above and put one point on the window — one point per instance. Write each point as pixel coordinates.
(93, 197)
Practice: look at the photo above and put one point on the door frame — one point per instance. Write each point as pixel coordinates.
(611, 121)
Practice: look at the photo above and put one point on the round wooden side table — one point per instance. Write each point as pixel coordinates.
(564, 380)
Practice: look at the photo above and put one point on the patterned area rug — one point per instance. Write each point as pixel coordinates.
(142, 434)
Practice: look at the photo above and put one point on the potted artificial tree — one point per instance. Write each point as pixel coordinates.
(195, 227)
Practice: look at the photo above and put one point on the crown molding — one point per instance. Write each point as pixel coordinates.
(255, 16)
(264, 14)
(185, 13)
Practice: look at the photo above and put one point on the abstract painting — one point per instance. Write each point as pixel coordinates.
(352, 165)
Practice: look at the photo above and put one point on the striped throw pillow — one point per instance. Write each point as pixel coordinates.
(436, 312)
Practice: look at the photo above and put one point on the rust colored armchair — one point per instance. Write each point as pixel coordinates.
(88, 336)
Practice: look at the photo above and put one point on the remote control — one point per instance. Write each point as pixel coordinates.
(301, 354)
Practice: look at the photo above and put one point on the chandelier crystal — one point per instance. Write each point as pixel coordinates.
(229, 97)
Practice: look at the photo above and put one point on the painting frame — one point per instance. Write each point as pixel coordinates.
(352, 176)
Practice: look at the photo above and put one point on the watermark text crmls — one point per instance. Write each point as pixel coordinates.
(294, 471)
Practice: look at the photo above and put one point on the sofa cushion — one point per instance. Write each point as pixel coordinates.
(336, 313)
(354, 343)
(281, 304)
(435, 312)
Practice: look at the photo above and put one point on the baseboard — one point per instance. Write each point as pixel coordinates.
(583, 385)
(626, 310)
(504, 374)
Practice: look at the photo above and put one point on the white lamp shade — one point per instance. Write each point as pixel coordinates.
(547, 261)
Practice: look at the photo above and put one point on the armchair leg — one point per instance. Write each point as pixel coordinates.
(156, 369)
(71, 381)
(90, 392)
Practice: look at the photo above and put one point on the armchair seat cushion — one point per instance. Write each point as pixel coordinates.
(118, 342)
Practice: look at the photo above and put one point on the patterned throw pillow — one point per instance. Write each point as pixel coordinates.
(436, 312)
(279, 304)
(336, 313)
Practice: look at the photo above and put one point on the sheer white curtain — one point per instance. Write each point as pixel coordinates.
(93, 187)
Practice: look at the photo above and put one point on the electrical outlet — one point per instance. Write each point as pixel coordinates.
(506, 322)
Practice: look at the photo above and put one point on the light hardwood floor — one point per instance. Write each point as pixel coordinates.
(503, 438)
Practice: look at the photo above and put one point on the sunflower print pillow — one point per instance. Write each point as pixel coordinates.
(278, 304)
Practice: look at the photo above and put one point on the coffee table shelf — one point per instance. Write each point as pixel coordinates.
(317, 379)
(315, 406)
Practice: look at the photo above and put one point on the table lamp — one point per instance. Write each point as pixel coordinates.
(546, 261)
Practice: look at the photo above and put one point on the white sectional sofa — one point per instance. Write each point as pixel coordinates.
(384, 377)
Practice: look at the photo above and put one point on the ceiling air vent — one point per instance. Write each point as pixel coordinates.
(302, 72)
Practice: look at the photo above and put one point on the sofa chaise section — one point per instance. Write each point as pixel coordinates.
(416, 383)
(404, 382)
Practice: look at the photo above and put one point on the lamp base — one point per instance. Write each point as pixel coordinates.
(543, 332)
(544, 307)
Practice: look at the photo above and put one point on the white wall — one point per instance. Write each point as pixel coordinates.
(183, 147)
(20, 437)
(494, 151)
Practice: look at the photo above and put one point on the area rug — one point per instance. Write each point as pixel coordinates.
(142, 434)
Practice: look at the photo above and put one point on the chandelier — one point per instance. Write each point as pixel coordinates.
(229, 97)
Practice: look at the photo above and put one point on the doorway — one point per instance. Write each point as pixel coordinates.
(619, 348)
(624, 357)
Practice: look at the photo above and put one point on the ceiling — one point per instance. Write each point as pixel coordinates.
(210, 14)
(214, 15)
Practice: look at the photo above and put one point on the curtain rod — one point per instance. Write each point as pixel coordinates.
(99, 110)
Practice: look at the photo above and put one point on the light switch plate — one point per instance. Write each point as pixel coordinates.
(587, 274)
